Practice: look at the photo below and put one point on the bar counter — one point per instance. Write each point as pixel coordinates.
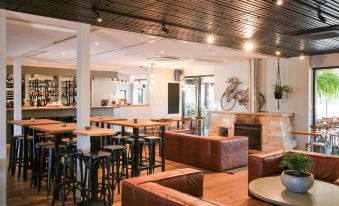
(67, 112)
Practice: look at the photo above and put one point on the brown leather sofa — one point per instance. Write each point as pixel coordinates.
(324, 167)
(211, 153)
(173, 188)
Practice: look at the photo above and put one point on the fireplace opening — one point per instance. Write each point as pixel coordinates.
(252, 131)
(223, 131)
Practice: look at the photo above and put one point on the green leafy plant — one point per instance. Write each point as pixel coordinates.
(328, 87)
(298, 163)
(282, 88)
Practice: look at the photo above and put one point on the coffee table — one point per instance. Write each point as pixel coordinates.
(270, 189)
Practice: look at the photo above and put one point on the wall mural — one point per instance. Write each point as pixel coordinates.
(232, 95)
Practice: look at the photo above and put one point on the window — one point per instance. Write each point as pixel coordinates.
(123, 94)
(140, 95)
(325, 93)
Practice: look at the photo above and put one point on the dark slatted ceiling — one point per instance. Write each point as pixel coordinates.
(193, 20)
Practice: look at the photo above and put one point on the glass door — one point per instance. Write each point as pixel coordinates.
(198, 95)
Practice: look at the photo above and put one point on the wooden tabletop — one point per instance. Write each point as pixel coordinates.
(105, 118)
(55, 128)
(26, 123)
(304, 132)
(140, 123)
(95, 132)
(270, 189)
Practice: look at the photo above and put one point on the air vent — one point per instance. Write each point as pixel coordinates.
(319, 33)
(168, 59)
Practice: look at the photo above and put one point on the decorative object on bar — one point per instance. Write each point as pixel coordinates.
(69, 92)
(104, 102)
(232, 94)
(296, 179)
(135, 120)
(280, 89)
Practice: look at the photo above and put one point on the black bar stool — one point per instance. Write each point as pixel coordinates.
(68, 177)
(92, 161)
(119, 163)
(17, 152)
(151, 142)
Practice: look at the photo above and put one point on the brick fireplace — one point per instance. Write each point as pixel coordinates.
(275, 128)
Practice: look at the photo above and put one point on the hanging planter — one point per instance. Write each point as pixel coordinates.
(279, 89)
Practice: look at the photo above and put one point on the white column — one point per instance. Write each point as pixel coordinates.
(83, 83)
(254, 66)
(3, 56)
(17, 93)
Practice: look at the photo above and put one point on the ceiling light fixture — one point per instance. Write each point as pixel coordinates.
(279, 2)
(162, 52)
(320, 16)
(63, 53)
(99, 19)
(302, 57)
(278, 52)
(248, 46)
(213, 54)
(210, 39)
(96, 43)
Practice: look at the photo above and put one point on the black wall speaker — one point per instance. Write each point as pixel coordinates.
(177, 75)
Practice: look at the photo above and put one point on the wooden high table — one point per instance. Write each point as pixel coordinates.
(100, 120)
(25, 124)
(136, 126)
(307, 133)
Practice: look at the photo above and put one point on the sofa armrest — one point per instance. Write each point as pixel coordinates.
(189, 181)
(264, 164)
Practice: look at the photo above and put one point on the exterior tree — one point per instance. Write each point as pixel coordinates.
(328, 87)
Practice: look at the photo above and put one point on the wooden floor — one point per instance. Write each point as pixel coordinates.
(230, 189)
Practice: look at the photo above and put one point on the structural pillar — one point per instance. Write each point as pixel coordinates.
(253, 93)
(3, 56)
(17, 71)
(83, 83)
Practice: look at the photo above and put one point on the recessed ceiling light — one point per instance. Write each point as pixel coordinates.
(96, 43)
(279, 2)
(277, 52)
(123, 54)
(63, 53)
(210, 39)
(213, 54)
(162, 52)
(184, 42)
(225, 59)
(248, 46)
(152, 41)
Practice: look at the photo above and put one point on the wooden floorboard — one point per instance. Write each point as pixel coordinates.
(230, 189)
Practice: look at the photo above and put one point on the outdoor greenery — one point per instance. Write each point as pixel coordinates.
(297, 162)
(328, 86)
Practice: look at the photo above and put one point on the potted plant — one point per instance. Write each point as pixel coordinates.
(296, 178)
(280, 89)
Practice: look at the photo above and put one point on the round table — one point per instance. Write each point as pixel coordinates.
(270, 189)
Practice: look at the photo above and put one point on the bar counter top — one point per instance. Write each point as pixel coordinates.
(73, 108)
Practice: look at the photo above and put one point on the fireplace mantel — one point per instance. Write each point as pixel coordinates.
(276, 127)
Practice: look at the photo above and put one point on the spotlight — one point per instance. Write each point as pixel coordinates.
(99, 19)
(302, 57)
(248, 46)
(210, 39)
(278, 52)
(320, 16)
(279, 2)
(164, 27)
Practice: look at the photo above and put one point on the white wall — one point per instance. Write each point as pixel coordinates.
(106, 89)
(158, 98)
(328, 60)
(221, 74)
(295, 73)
